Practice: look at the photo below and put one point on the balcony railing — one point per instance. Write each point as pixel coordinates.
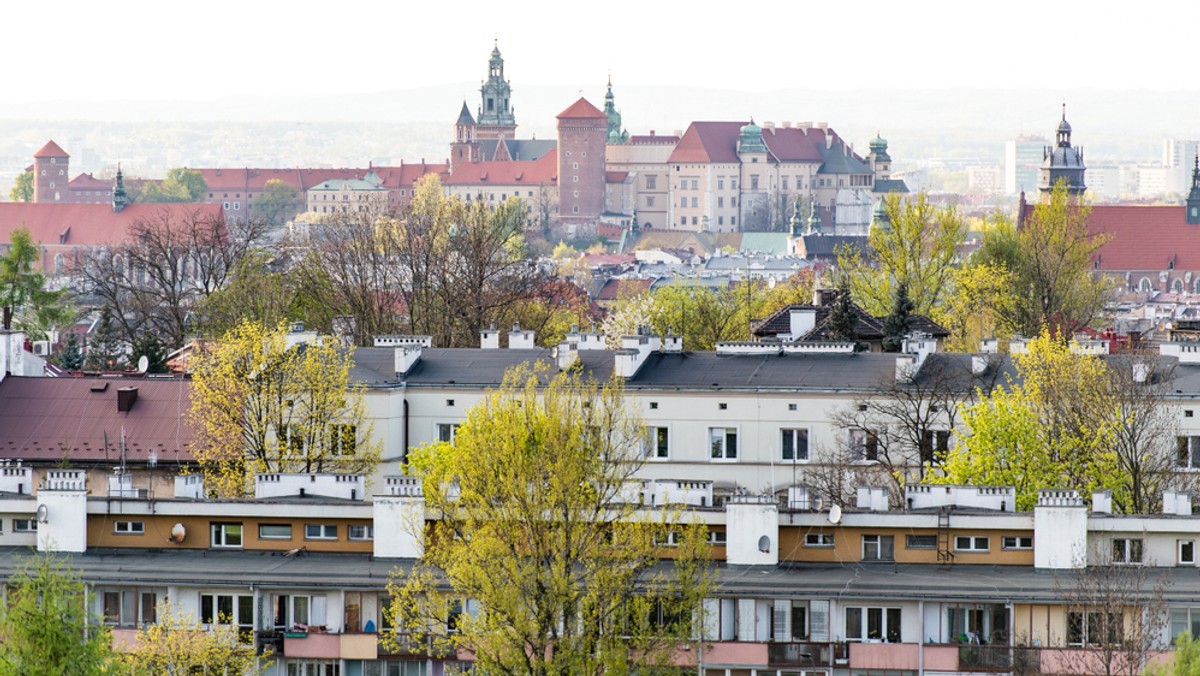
(806, 654)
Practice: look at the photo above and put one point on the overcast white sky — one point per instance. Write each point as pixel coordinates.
(208, 49)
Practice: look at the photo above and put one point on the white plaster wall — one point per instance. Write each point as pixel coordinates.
(65, 529)
(1059, 537)
(399, 527)
(747, 522)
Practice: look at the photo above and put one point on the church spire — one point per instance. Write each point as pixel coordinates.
(1193, 198)
(616, 135)
(119, 197)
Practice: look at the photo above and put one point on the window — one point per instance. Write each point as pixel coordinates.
(669, 538)
(320, 531)
(683, 202)
(227, 535)
(971, 543)
(1187, 452)
(449, 402)
(864, 445)
(1187, 552)
(1093, 628)
(1185, 621)
(716, 537)
(791, 407)
(934, 444)
(695, 202)
(753, 183)
(129, 607)
(274, 531)
(24, 526)
(446, 431)
(693, 220)
(343, 439)
(819, 540)
(654, 406)
(878, 548)
(651, 182)
(1016, 542)
(720, 202)
(921, 542)
(793, 444)
(650, 201)
(365, 532)
(1127, 550)
(722, 406)
(722, 442)
(875, 624)
(720, 220)
(658, 442)
(229, 610)
(129, 527)
(783, 183)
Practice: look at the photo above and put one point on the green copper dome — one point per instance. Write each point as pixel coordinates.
(750, 140)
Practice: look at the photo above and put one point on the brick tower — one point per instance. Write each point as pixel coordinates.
(50, 174)
(582, 130)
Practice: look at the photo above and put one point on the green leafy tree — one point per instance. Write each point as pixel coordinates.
(22, 190)
(148, 346)
(918, 249)
(177, 645)
(533, 526)
(896, 325)
(1184, 660)
(1050, 259)
(46, 625)
(982, 306)
(24, 300)
(180, 185)
(278, 202)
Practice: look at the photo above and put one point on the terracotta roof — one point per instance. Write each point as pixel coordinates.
(51, 149)
(616, 289)
(1146, 238)
(45, 419)
(543, 171)
(717, 142)
(87, 224)
(582, 109)
(616, 176)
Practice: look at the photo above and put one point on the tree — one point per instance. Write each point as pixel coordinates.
(261, 406)
(22, 190)
(24, 299)
(147, 346)
(1050, 256)
(1053, 425)
(534, 526)
(278, 202)
(896, 324)
(1185, 659)
(180, 185)
(841, 324)
(46, 625)
(1117, 612)
(1143, 431)
(104, 350)
(981, 306)
(177, 645)
(71, 356)
(918, 249)
(263, 288)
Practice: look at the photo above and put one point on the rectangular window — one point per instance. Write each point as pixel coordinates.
(878, 548)
(683, 202)
(129, 607)
(129, 527)
(783, 183)
(650, 201)
(1185, 621)
(1187, 552)
(935, 444)
(720, 183)
(658, 442)
(274, 531)
(818, 540)
(683, 220)
(1187, 452)
(971, 543)
(873, 624)
(320, 531)
(1094, 628)
(720, 220)
(722, 442)
(716, 537)
(365, 532)
(864, 445)
(1127, 550)
(793, 444)
(343, 439)
(921, 542)
(695, 202)
(24, 526)
(720, 202)
(227, 535)
(446, 432)
(1016, 542)
(753, 183)
(651, 182)
(229, 609)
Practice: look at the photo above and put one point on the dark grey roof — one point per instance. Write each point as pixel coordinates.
(464, 117)
(518, 149)
(838, 160)
(826, 246)
(890, 185)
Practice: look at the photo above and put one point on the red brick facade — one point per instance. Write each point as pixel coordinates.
(582, 129)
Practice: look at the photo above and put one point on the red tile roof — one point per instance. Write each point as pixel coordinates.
(255, 180)
(86, 224)
(542, 171)
(1146, 238)
(717, 142)
(581, 109)
(616, 176)
(51, 149)
(45, 419)
(616, 289)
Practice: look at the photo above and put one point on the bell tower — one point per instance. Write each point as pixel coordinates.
(50, 174)
(1193, 198)
(496, 118)
(1063, 162)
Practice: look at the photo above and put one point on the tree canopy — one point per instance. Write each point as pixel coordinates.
(22, 189)
(535, 526)
(278, 202)
(259, 405)
(24, 300)
(177, 645)
(180, 185)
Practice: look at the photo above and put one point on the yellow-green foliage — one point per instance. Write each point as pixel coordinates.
(1052, 428)
(178, 645)
(534, 526)
(259, 406)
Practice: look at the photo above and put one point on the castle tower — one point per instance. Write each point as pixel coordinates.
(1061, 161)
(496, 118)
(881, 162)
(582, 131)
(616, 135)
(465, 147)
(50, 174)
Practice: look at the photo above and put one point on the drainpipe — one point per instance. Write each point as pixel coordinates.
(921, 639)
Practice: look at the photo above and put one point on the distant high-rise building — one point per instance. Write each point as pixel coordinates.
(1178, 156)
(1022, 163)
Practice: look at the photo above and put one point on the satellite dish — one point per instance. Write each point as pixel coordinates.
(819, 504)
(835, 514)
(177, 533)
(143, 364)
(43, 512)
(764, 544)
(554, 352)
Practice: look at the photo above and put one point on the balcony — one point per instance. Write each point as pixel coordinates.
(806, 654)
(355, 646)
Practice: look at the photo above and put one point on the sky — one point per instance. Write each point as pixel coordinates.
(211, 49)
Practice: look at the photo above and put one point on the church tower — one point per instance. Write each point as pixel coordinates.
(496, 119)
(465, 147)
(616, 135)
(50, 174)
(1193, 198)
(1061, 161)
(119, 197)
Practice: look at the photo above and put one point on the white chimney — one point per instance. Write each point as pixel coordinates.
(906, 368)
(189, 487)
(568, 354)
(989, 346)
(406, 358)
(801, 321)
(873, 498)
(1059, 530)
(672, 344)
(489, 339)
(979, 364)
(1177, 502)
(1102, 502)
(519, 339)
(1141, 372)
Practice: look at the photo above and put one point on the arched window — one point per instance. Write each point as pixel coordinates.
(60, 264)
(1177, 286)
(1144, 285)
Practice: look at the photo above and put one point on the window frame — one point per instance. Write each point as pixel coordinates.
(794, 432)
(658, 447)
(970, 544)
(451, 427)
(24, 526)
(889, 618)
(910, 543)
(324, 529)
(820, 540)
(129, 528)
(864, 444)
(367, 532)
(879, 544)
(261, 536)
(1018, 542)
(222, 542)
(1123, 550)
(723, 453)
